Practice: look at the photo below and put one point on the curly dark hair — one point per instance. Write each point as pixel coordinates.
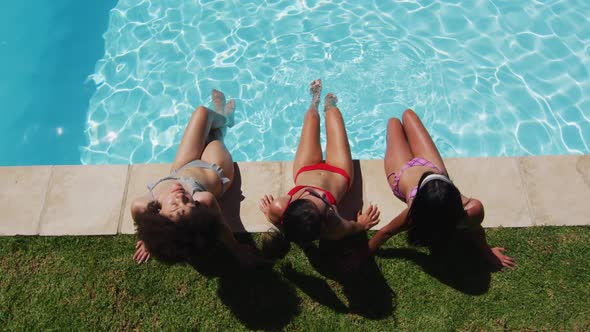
(302, 221)
(174, 242)
(434, 214)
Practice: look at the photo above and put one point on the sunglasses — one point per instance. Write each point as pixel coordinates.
(322, 197)
(330, 206)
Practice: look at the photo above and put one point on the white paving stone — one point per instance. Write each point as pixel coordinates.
(84, 200)
(90, 200)
(22, 194)
(497, 183)
(558, 189)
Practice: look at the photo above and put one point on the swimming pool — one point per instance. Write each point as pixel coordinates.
(47, 51)
(489, 78)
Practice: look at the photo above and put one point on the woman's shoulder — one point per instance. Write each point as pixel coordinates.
(474, 209)
(205, 197)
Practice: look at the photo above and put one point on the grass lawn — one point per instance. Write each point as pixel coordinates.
(80, 283)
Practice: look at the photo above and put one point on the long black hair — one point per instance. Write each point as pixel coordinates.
(174, 242)
(435, 212)
(302, 221)
(301, 224)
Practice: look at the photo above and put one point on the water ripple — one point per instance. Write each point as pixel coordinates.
(489, 78)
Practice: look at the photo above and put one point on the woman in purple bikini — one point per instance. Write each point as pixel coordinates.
(436, 210)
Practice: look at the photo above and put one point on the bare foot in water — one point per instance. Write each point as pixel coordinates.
(330, 101)
(315, 88)
(218, 101)
(228, 112)
(222, 116)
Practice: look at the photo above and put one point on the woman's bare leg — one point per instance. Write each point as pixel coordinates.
(216, 152)
(223, 115)
(337, 146)
(194, 138)
(397, 150)
(198, 129)
(420, 141)
(309, 151)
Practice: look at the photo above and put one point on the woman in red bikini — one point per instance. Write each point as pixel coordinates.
(436, 210)
(308, 211)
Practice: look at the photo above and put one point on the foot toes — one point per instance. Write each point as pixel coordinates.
(331, 99)
(218, 100)
(230, 106)
(315, 86)
(228, 112)
(216, 94)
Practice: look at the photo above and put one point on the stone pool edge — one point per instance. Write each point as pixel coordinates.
(94, 199)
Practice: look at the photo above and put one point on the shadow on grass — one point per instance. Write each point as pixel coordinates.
(259, 298)
(366, 289)
(461, 266)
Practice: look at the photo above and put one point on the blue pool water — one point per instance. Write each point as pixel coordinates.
(488, 78)
(47, 51)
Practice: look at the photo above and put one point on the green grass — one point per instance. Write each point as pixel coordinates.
(65, 283)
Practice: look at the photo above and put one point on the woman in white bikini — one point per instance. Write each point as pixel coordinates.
(179, 217)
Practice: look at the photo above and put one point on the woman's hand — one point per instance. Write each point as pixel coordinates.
(141, 254)
(265, 204)
(504, 261)
(369, 218)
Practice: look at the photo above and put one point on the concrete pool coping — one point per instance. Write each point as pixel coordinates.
(94, 200)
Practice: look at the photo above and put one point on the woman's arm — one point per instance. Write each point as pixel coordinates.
(139, 206)
(245, 254)
(340, 228)
(475, 216)
(395, 226)
(272, 208)
(474, 210)
(495, 256)
(226, 236)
